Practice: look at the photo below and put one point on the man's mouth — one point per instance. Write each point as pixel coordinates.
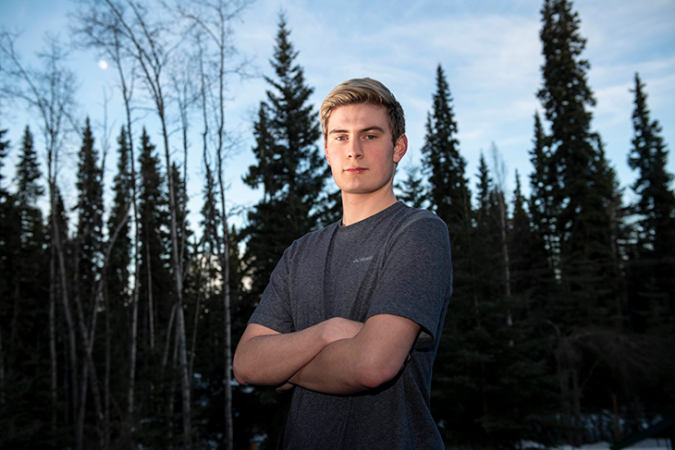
(355, 170)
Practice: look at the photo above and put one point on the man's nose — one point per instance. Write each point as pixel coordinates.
(354, 150)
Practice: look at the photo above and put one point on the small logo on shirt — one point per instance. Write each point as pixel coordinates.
(363, 259)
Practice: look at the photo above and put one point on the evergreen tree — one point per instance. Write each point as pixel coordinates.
(459, 377)
(411, 189)
(577, 182)
(581, 220)
(28, 261)
(89, 244)
(292, 173)
(541, 204)
(289, 165)
(120, 256)
(5, 224)
(449, 197)
(29, 392)
(655, 210)
(493, 368)
(156, 297)
(28, 173)
(4, 149)
(536, 259)
(155, 248)
(29, 258)
(520, 242)
(445, 167)
(574, 196)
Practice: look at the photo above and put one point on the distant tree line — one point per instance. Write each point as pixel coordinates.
(117, 330)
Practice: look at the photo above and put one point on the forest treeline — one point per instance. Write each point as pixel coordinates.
(118, 319)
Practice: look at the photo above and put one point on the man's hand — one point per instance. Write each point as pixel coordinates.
(267, 357)
(284, 387)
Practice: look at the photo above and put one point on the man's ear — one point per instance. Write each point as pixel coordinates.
(325, 152)
(400, 148)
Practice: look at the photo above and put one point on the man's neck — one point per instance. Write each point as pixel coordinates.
(356, 207)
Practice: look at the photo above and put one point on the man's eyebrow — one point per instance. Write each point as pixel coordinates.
(373, 128)
(364, 130)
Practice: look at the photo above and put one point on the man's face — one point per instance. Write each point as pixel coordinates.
(360, 151)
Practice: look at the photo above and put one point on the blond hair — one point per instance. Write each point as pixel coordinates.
(364, 90)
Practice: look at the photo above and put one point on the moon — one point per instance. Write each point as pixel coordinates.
(102, 64)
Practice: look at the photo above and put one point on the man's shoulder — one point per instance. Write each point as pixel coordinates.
(411, 218)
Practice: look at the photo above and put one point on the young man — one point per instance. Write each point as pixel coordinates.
(353, 313)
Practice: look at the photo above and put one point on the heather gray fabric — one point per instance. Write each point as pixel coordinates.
(395, 262)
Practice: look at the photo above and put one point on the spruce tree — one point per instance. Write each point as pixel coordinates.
(581, 220)
(120, 256)
(412, 190)
(289, 165)
(89, 244)
(651, 263)
(155, 249)
(520, 242)
(655, 211)
(4, 150)
(29, 261)
(444, 166)
(577, 182)
(290, 168)
(156, 297)
(4, 221)
(575, 203)
(536, 259)
(28, 173)
(24, 373)
(541, 204)
(449, 197)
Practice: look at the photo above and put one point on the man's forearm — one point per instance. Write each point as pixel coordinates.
(334, 370)
(269, 358)
(372, 357)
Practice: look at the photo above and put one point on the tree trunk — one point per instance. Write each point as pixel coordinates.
(225, 268)
(151, 308)
(79, 408)
(56, 241)
(106, 381)
(617, 420)
(193, 347)
(52, 333)
(178, 276)
(2, 375)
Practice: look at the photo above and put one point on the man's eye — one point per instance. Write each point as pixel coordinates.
(371, 137)
(341, 138)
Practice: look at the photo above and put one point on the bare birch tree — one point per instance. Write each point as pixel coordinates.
(213, 18)
(152, 45)
(100, 28)
(49, 91)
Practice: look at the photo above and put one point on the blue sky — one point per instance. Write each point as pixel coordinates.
(490, 51)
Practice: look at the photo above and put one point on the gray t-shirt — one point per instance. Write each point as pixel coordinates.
(395, 262)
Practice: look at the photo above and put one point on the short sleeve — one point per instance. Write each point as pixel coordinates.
(416, 276)
(274, 310)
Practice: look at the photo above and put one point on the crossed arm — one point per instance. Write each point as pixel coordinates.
(337, 356)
